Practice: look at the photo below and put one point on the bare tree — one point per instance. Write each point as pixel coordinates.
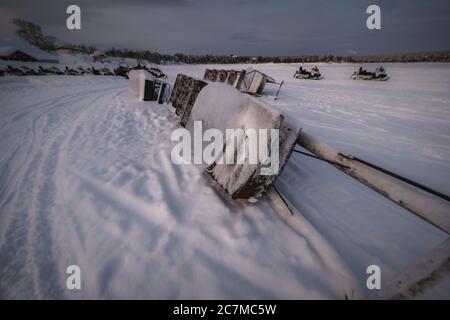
(32, 33)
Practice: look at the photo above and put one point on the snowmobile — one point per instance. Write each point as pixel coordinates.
(95, 71)
(122, 71)
(43, 70)
(82, 71)
(52, 70)
(56, 70)
(39, 72)
(138, 66)
(379, 74)
(71, 72)
(314, 74)
(14, 71)
(28, 71)
(106, 72)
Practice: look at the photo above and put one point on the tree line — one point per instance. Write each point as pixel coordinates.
(156, 57)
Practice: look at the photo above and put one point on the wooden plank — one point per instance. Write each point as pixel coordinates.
(427, 206)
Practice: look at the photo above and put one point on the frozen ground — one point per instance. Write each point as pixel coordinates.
(86, 178)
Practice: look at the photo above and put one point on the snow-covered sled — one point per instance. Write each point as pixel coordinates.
(146, 87)
(219, 106)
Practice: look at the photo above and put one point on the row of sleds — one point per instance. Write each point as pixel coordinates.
(361, 74)
(80, 70)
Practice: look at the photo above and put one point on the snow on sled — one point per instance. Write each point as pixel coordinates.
(219, 106)
(313, 74)
(378, 75)
(231, 77)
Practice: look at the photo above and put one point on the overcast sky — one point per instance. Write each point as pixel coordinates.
(243, 27)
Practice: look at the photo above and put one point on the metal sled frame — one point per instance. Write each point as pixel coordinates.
(254, 82)
(247, 81)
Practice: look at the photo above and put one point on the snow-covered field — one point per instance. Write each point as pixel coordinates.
(86, 178)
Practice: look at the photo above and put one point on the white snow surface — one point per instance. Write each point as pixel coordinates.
(86, 178)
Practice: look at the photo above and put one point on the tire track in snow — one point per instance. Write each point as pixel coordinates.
(49, 273)
(37, 126)
(30, 228)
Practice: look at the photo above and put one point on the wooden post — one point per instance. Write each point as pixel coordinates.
(429, 207)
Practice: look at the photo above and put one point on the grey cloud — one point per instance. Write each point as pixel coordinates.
(262, 27)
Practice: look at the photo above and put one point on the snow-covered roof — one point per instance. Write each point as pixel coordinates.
(9, 46)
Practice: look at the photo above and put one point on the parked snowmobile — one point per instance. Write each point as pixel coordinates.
(313, 74)
(81, 70)
(56, 70)
(95, 71)
(51, 70)
(14, 71)
(122, 71)
(106, 72)
(28, 71)
(71, 72)
(362, 74)
(138, 66)
(43, 70)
